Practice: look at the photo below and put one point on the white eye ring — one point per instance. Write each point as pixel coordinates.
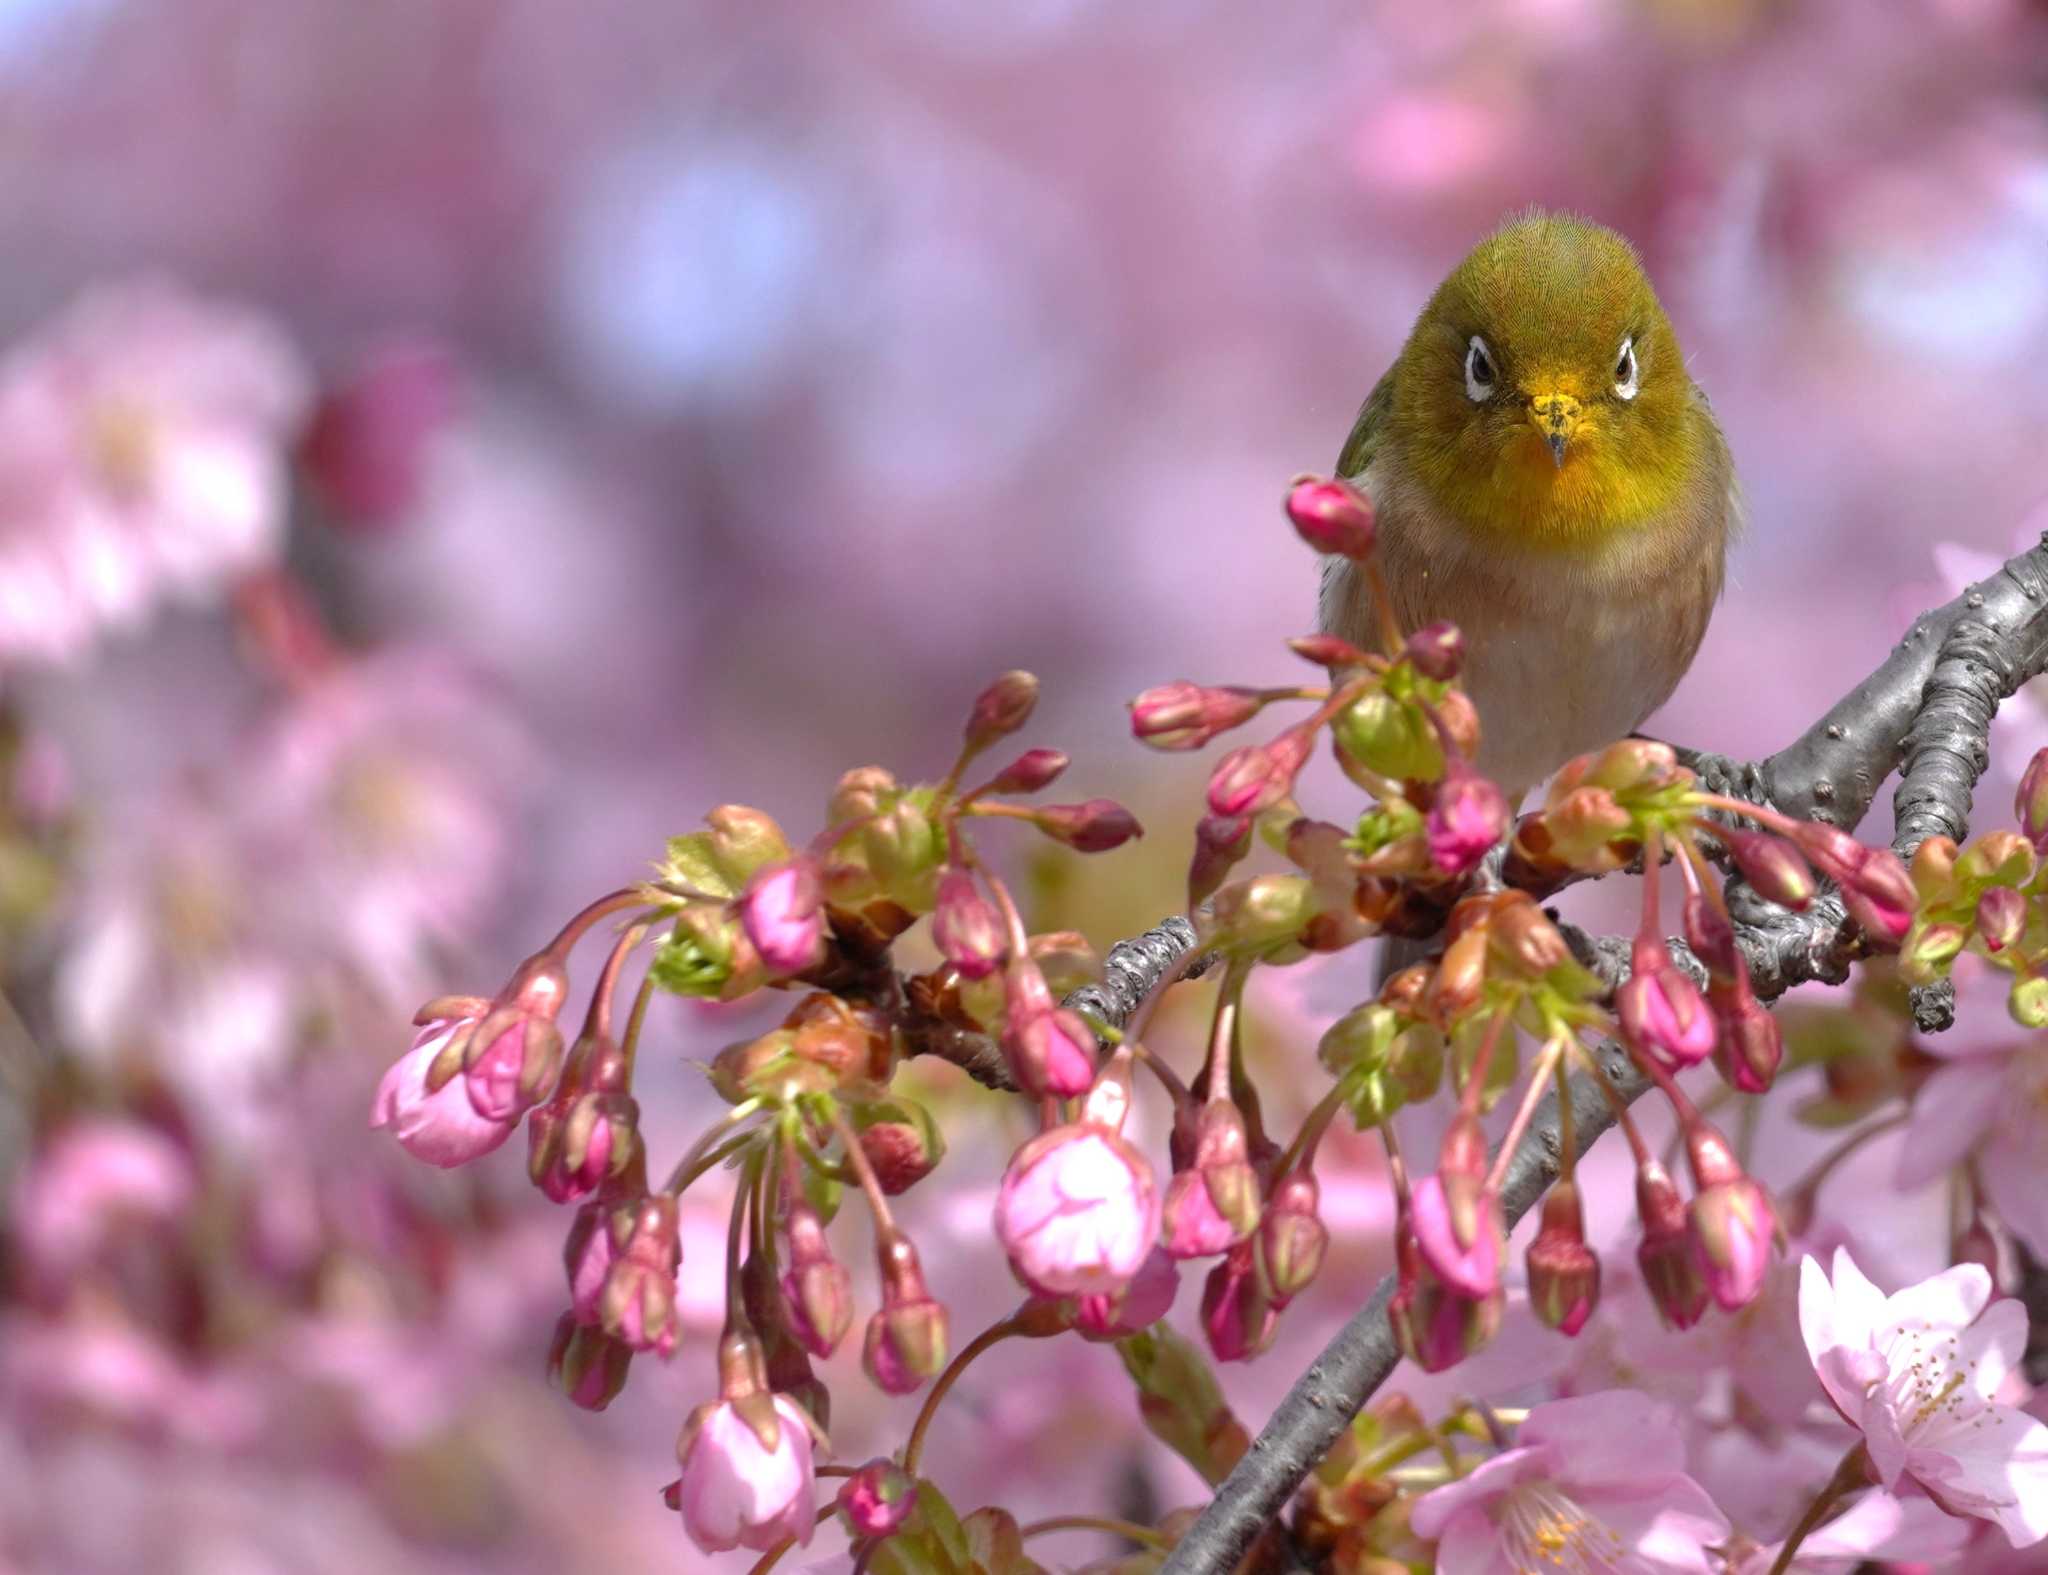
(1626, 372)
(1479, 372)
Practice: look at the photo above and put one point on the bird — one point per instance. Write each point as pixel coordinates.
(1546, 475)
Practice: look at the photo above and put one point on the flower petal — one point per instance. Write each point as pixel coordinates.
(1436, 1510)
(2014, 1170)
(1952, 1114)
(1667, 1524)
(1945, 1304)
(1617, 1436)
(1992, 1464)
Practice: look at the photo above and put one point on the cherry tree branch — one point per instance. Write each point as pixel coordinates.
(1927, 709)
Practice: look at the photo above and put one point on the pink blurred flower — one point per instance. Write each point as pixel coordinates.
(443, 1126)
(738, 1490)
(1877, 1528)
(1983, 1106)
(1916, 1373)
(1078, 1211)
(367, 445)
(142, 454)
(89, 1179)
(1596, 1482)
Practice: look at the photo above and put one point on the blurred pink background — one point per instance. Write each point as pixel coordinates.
(761, 380)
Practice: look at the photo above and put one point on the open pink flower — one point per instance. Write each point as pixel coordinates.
(740, 1491)
(1915, 1373)
(1594, 1483)
(442, 1126)
(1984, 1105)
(1077, 1212)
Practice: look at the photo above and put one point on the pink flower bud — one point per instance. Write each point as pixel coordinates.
(1137, 1305)
(1662, 1013)
(1749, 1047)
(966, 927)
(1182, 715)
(1668, 1255)
(747, 1474)
(1436, 651)
(1077, 1211)
(1771, 865)
(588, 1255)
(2030, 805)
(906, 1338)
(1459, 1231)
(588, 1132)
(2001, 917)
(1213, 1204)
(1712, 939)
(1469, 815)
(1029, 772)
(1327, 650)
(638, 1304)
(1220, 841)
(901, 1152)
(1733, 1226)
(782, 911)
(1258, 776)
(817, 1290)
(877, 1499)
(366, 448)
(1000, 709)
(587, 1364)
(1564, 1273)
(1050, 1050)
(1237, 1316)
(1094, 827)
(1436, 1326)
(1881, 899)
(1292, 1238)
(442, 1126)
(1331, 516)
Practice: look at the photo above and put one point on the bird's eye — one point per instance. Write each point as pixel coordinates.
(1625, 370)
(1479, 373)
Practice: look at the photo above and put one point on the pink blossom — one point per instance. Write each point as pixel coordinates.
(1595, 1482)
(86, 1181)
(1471, 1268)
(1916, 1373)
(739, 1490)
(1983, 1106)
(1469, 816)
(444, 1126)
(782, 912)
(1662, 1013)
(142, 454)
(1877, 1528)
(1078, 1211)
(1138, 1305)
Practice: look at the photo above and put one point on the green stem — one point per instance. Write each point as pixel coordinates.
(1851, 1474)
(684, 1174)
(993, 1334)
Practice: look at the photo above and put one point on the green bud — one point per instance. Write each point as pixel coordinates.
(860, 792)
(1390, 737)
(904, 851)
(1930, 950)
(1361, 1037)
(742, 840)
(690, 863)
(1586, 828)
(1263, 911)
(2028, 1002)
(1999, 858)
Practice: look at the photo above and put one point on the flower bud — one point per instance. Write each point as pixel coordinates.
(587, 1255)
(902, 1152)
(1387, 736)
(1051, 1050)
(1524, 933)
(638, 1304)
(2001, 917)
(1077, 1211)
(1220, 841)
(1328, 650)
(877, 1499)
(1712, 939)
(1094, 827)
(1771, 865)
(1137, 1305)
(747, 1474)
(1749, 1046)
(1633, 763)
(1929, 950)
(579, 1140)
(1661, 1011)
(817, 1290)
(906, 1338)
(1459, 1230)
(1263, 911)
(966, 926)
(1213, 1204)
(1668, 1255)
(442, 1126)
(1460, 978)
(860, 793)
(1436, 651)
(1880, 898)
(1436, 1326)
(587, 1364)
(783, 913)
(2030, 805)
(2028, 1003)
(1331, 516)
(1029, 772)
(1257, 776)
(1000, 709)
(742, 841)
(1237, 1315)
(1468, 816)
(1590, 831)
(1733, 1226)
(1182, 715)
(1564, 1273)
(1291, 1239)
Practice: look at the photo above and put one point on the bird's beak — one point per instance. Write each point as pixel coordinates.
(1556, 417)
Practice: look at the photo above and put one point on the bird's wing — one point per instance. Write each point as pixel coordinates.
(1368, 429)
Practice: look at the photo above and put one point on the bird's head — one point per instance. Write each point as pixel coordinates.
(1543, 394)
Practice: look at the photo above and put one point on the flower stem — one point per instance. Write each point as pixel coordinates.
(1475, 1080)
(687, 1168)
(1144, 1536)
(1302, 1151)
(742, 1198)
(857, 1157)
(1523, 1114)
(993, 1334)
(773, 1556)
(1383, 600)
(1223, 1032)
(1852, 1473)
(598, 1020)
(629, 1046)
(608, 904)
